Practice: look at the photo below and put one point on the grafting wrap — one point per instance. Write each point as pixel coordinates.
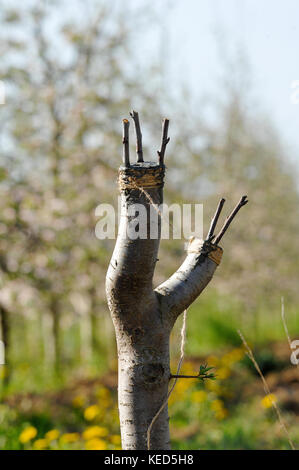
(199, 246)
(141, 177)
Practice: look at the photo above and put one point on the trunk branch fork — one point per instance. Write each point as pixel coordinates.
(143, 317)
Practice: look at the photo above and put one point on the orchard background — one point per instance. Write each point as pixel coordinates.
(70, 75)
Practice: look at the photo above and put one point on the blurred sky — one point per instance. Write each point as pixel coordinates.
(197, 34)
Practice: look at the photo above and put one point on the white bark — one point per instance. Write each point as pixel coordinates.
(187, 283)
(143, 317)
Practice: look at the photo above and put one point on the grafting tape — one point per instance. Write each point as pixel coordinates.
(141, 177)
(196, 245)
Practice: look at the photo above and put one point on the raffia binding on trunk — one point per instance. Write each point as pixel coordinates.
(141, 177)
(196, 245)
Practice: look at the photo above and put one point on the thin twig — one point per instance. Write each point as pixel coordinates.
(164, 141)
(175, 376)
(126, 148)
(204, 373)
(215, 219)
(284, 322)
(266, 389)
(135, 117)
(285, 327)
(183, 341)
(230, 218)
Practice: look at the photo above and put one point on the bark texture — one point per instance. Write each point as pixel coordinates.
(143, 317)
(142, 332)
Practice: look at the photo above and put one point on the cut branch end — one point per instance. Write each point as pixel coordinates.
(164, 141)
(126, 149)
(214, 220)
(134, 115)
(230, 218)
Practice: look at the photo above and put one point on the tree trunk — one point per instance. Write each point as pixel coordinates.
(5, 328)
(93, 319)
(55, 313)
(141, 332)
(143, 317)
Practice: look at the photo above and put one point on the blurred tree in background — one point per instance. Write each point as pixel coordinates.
(242, 153)
(68, 84)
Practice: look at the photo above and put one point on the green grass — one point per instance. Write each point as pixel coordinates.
(241, 421)
(213, 322)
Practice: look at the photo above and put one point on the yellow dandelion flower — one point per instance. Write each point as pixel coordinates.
(199, 396)
(213, 386)
(182, 386)
(78, 401)
(221, 414)
(223, 373)
(3, 371)
(233, 356)
(103, 393)
(105, 403)
(213, 361)
(104, 397)
(217, 405)
(179, 391)
(96, 444)
(91, 412)
(52, 435)
(226, 360)
(94, 431)
(268, 400)
(115, 439)
(40, 444)
(27, 434)
(114, 415)
(188, 369)
(69, 437)
(238, 353)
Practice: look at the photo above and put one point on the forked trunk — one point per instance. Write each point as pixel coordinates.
(141, 331)
(143, 317)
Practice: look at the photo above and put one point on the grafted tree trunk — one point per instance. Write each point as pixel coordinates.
(143, 317)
